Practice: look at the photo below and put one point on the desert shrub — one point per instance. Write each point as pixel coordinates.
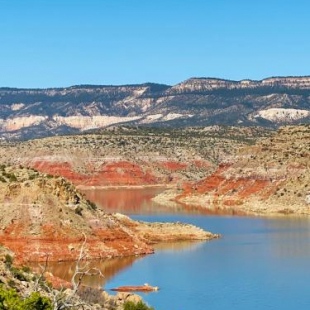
(32, 177)
(11, 283)
(92, 205)
(26, 269)
(37, 302)
(18, 274)
(129, 305)
(12, 177)
(78, 210)
(10, 300)
(8, 260)
(91, 295)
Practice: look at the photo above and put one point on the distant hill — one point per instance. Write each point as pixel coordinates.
(270, 177)
(132, 156)
(33, 113)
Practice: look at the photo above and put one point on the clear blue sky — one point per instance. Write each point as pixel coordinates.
(47, 43)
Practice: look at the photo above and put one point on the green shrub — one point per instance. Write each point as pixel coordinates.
(32, 177)
(92, 205)
(26, 269)
(37, 302)
(129, 305)
(78, 210)
(8, 260)
(18, 274)
(11, 283)
(10, 300)
(12, 177)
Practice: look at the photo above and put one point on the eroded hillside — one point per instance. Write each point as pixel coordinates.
(272, 176)
(43, 216)
(132, 156)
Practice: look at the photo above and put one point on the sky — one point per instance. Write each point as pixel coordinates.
(58, 43)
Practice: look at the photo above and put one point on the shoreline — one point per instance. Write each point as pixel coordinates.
(168, 198)
(105, 187)
(250, 208)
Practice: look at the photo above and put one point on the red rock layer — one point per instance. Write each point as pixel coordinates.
(120, 172)
(229, 191)
(114, 173)
(173, 165)
(102, 244)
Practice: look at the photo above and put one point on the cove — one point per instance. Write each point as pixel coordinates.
(259, 263)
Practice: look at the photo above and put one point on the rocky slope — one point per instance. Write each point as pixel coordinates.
(271, 177)
(20, 288)
(132, 156)
(30, 113)
(45, 216)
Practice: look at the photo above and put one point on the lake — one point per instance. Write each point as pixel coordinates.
(259, 263)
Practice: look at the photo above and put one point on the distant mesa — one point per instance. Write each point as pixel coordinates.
(35, 113)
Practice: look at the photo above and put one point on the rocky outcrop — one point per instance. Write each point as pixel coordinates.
(136, 288)
(172, 232)
(33, 113)
(282, 115)
(271, 177)
(20, 283)
(43, 216)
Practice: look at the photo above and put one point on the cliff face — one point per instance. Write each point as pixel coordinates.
(30, 113)
(269, 177)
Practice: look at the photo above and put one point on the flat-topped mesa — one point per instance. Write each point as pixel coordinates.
(33, 113)
(302, 82)
(202, 84)
(209, 84)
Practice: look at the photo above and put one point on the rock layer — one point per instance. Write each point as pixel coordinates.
(43, 216)
(33, 113)
(271, 177)
(130, 156)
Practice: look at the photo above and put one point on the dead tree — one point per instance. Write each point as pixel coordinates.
(67, 299)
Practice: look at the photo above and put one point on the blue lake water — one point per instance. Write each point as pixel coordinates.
(259, 263)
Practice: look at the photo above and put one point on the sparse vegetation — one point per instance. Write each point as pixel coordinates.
(8, 260)
(129, 305)
(10, 300)
(78, 210)
(146, 147)
(92, 205)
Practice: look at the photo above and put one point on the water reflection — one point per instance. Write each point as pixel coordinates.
(126, 200)
(178, 246)
(108, 267)
(111, 266)
(288, 237)
(139, 201)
